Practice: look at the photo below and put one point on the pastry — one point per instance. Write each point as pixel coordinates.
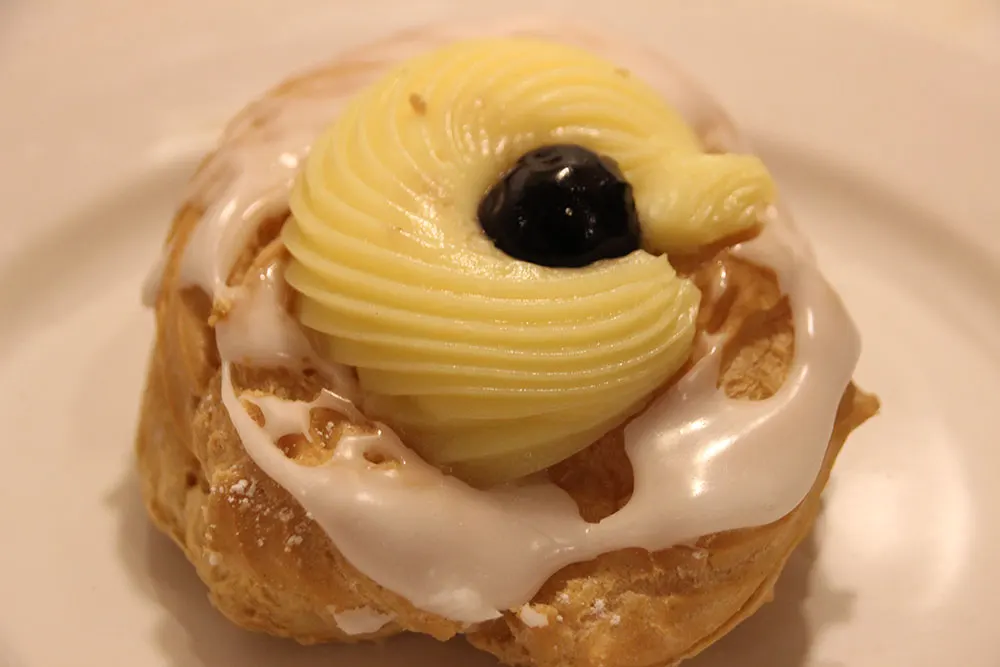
(506, 337)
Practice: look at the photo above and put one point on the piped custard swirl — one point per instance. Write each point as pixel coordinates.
(489, 366)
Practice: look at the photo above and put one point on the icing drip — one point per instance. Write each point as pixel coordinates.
(261, 332)
(361, 621)
(247, 183)
(531, 617)
(228, 227)
(466, 554)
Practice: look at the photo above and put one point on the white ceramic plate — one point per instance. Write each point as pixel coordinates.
(885, 143)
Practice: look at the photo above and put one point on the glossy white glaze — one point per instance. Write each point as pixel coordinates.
(361, 621)
(532, 618)
(261, 332)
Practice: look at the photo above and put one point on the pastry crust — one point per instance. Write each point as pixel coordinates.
(270, 568)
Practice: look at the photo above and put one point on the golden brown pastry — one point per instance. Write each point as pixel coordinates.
(274, 565)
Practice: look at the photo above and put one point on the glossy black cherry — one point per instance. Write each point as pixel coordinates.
(562, 206)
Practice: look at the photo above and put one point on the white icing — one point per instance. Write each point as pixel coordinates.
(261, 332)
(702, 462)
(532, 618)
(360, 621)
(226, 229)
(247, 182)
(720, 284)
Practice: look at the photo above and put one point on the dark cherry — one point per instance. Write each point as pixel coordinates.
(563, 206)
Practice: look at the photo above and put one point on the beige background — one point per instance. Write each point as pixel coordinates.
(971, 24)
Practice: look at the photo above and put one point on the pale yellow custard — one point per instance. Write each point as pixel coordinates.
(489, 366)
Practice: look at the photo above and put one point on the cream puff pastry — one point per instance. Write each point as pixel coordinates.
(504, 336)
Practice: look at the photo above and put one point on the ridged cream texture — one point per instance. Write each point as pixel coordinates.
(489, 366)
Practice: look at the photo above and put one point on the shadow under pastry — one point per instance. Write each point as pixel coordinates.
(783, 631)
